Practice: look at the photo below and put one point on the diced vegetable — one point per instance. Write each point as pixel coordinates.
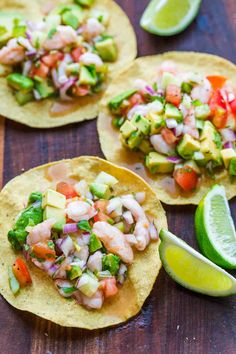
(20, 82)
(88, 285)
(84, 225)
(217, 82)
(44, 251)
(94, 243)
(13, 282)
(186, 178)
(66, 189)
(109, 287)
(21, 272)
(106, 178)
(111, 262)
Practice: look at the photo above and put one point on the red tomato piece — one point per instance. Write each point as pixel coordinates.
(101, 205)
(109, 287)
(135, 100)
(233, 106)
(217, 82)
(21, 272)
(218, 109)
(80, 90)
(216, 101)
(43, 251)
(40, 70)
(168, 136)
(186, 178)
(173, 94)
(66, 189)
(76, 53)
(220, 118)
(51, 59)
(100, 216)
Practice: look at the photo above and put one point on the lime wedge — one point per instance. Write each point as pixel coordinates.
(168, 17)
(192, 270)
(215, 229)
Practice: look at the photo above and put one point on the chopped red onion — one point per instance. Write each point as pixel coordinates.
(60, 284)
(26, 67)
(67, 246)
(171, 123)
(55, 78)
(153, 231)
(52, 269)
(70, 228)
(228, 135)
(70, 82)
(174, 159)
(150, 90)
(228, 145)
(28, 34)
(178, 130)
(86, 238)
(31, 53)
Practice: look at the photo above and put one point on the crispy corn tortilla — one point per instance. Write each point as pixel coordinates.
(145, 68)
(42, 298)
(36, 114)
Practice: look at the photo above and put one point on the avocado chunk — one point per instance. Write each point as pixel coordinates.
(145, 146)
(107, 49)
(94, 243)
(232, 167)
(142, 124)
(116, 102)
(173, 112)
(157, 122)
(88, 75)
(127, 129)
(135, 139)
(193, 166)
(202, 112)
(84, 225)
(20, 82)
(54, 213)
(70, 19)
(211, 144)
(186, 87)
(157, 163)
(44, 89)
(54, 199)
(101, 191)
(87, 3)
(74, 272)
(120, 226)
(88, 284)
(8, 22)
(23, 98)
(111, 262)
(187, 146)
(227, 155)
(167, 79)
(106, 178)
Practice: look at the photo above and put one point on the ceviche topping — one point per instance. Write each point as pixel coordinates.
(62, 56)
(83, 236)
(184, 124)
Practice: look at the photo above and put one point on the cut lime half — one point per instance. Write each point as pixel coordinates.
(215, 229)
(169, 17)
(192, 270)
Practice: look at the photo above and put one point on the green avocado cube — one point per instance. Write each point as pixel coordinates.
(232, 167)
(187, 146)
(54, 199)
(74, 272)
(88, 284)
(88, 76)
(70, 19)
(107, 49)
(145, 146)
(100, 190)
(142, 124)
(120, 226)
(227, 155)
(106, 178)
(116, 102)
(20, 82)
(94, 243)
(23, 98)
(87, 3)
(157, 122)
(127, 129)
(135, 139)
(157, 163)
(203, 111)
(111, 262)
(186, 87)
(211, 143)
(173, 112)
(167, 79)
(54, 213)
(193, 165)
(44, 89)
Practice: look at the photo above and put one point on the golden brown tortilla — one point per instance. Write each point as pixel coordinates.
(42, 298)
(145, 68)
(36, 114)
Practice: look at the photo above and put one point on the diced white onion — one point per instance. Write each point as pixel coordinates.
(160, 145)
(140, 197)
(127, 215)
(171, 123)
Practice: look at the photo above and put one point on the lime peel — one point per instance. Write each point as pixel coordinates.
(169, 17)
(192, 270)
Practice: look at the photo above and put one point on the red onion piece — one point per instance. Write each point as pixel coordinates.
(228, 135)
(174, 159)
(171, 123)
(228, 145)
(150, 90)
(55, 78)
(67, 246)
(70, 228)
(66, 87)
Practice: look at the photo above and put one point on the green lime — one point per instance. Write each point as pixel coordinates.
(215, 229)
(168, 17)
(192, 270)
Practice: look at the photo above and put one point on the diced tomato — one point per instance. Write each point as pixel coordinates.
(21, 272)
(100, 216)
(217, 82)
(186, 178)
(218, 109)
(81, 90)
(76, 53)
(43, 251)
(220, 118)
(66, 189)
(233, 106)
(101, 205)
(69, 221)
(168, 136)
(109, 287)
(217, 100)
(135, 99)
(51, 59)
(41, 70)
(173, 94)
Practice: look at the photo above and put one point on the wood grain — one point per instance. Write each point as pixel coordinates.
(173, 320)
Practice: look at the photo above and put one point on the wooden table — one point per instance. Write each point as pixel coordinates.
(173, 320)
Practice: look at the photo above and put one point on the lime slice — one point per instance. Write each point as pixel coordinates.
(215, 229)
(192, 270)
(168, 17)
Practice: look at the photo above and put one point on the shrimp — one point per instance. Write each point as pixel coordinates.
(141, 230)
(80, 210)
(40, 232)
(114, 240)
(202, 91)
(93, 28)
(12, 53)
(62, 37)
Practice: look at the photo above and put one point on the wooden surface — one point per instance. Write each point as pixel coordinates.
(173, 320)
